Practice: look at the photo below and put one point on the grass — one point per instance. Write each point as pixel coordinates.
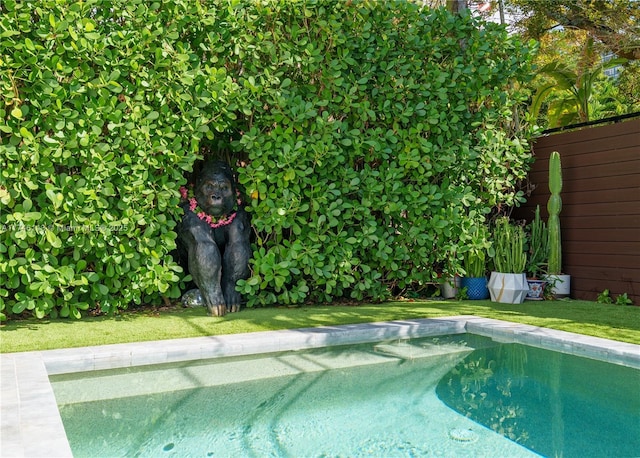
(590, 318)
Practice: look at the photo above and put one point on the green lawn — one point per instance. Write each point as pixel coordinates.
(609, 321)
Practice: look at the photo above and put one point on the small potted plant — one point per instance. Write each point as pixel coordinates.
(449, 285)
(508, 283)
(474, 263)
(560, 283)
(537, 257)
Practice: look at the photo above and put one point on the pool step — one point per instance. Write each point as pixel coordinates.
(117, 383)
(408, 350)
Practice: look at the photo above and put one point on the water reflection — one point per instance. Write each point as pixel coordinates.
(554, 404)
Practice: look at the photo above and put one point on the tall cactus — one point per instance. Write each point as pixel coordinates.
(538, 258)
(510, 256)
(554, 205)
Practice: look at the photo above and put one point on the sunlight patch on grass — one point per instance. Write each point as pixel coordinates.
(590, 318)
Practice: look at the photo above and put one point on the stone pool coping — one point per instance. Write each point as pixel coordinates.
(31, 426)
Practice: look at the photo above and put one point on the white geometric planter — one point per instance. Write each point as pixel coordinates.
(560, 284)
(508, 288)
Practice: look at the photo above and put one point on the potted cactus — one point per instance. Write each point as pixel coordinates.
(508, 283)
(559, 283)
(537, 256)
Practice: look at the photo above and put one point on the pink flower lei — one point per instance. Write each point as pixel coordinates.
(210, 220)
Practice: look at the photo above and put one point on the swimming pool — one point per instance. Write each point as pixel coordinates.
(34, 426)
(455, 395)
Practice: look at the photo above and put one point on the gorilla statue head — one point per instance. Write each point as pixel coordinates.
(215, 189)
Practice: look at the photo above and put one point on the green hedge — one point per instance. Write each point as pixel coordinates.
(387, 137)
(104, 105)
(375, 135)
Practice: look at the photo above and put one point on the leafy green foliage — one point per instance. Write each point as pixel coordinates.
(462, 294)
(375, 136)
(103, 109)
(622, 299)
(628, 87)
(572, 84)
(387, 142)
(605, 297)
(578, 91)
(476, 252)
(613, 23)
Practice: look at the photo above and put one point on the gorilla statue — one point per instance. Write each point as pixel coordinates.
(215, 232)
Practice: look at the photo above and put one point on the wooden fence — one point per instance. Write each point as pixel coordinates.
(600, 217)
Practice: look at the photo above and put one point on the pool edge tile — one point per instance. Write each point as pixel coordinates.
(37, 414)
(606, 350)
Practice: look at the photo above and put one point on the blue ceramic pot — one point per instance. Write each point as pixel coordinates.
(476, 287)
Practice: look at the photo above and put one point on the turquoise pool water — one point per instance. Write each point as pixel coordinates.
(460, 395)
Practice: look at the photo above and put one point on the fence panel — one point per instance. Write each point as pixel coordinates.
(600, 216)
